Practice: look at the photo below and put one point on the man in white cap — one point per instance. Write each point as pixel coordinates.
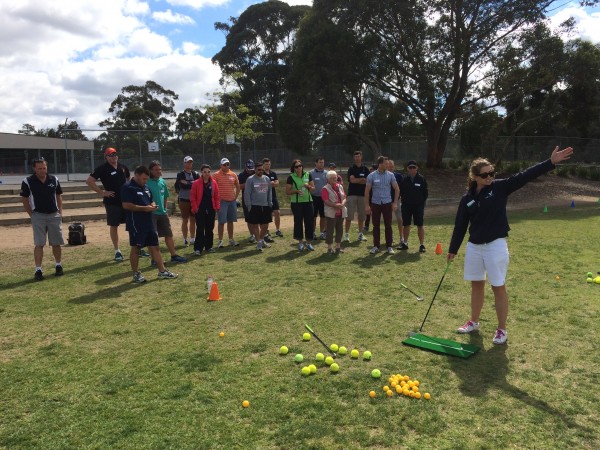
(229, 189)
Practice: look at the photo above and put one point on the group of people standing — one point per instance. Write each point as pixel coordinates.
(141, 202)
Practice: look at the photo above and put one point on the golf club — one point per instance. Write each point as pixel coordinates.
(419, 297)
(319, 339)
(412, 333)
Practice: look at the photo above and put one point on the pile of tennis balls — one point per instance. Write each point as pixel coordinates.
(591, 279)
(403, 385)
(320, 358)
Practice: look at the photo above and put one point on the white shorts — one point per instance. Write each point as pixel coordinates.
(491, 258)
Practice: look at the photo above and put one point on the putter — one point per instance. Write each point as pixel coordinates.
(319, 339)
(412, 333)
(419, 297)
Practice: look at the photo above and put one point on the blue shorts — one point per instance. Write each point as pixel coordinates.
(228, 212)
(143, 238)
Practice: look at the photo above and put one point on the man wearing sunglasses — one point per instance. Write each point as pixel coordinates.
(482, 211)
(113, 176)
(258, 198)
(413, 193)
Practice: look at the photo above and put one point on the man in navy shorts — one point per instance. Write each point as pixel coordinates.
(139, 206)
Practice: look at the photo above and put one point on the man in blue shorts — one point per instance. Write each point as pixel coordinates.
(41, 195)
(138, 205)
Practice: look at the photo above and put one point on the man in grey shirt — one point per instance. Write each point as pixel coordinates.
(259, 201)
(381, 182)
(319, 176)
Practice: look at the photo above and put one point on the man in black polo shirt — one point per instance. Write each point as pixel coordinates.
(113, 176)
(357, 182)
(41, 195)
(139, 206)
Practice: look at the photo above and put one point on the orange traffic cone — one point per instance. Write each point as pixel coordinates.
(438, 249)
(214, 292)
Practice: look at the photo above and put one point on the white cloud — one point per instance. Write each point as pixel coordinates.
(298, 2)
(197, 4)
(588, 23)
(169, 17)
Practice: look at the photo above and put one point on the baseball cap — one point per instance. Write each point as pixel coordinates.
(187, 159)
(224, 161)
(332, 165)
(109, 151)
(412, 162)
(249, 164)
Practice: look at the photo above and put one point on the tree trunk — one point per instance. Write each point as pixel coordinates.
(436, 145)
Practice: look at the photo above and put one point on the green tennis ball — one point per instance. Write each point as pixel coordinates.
(320, 357)
(354, 354)
(299, 358)
(305, 371)
(343, 350)
(367, 355)
(306, 337)
(589, 280)
(335, 368)
(334, 347)
(313, 368)
(329, 360)
(590, 275)
(376, 373)
(283, 350)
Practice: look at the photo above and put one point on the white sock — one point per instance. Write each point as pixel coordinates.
(117, 251)
(38, 268)
(57, 263)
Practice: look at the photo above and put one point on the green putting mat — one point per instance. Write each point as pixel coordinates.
(442, 345)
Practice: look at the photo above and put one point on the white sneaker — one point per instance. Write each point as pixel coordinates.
(252, 239)
(361, 237)
(468, 327)
(346, 238)
(259, 246)
(301, 247)
(500, 337)
(264, 244)
(374, 250)
(323, 236)
(220, 244)
(233, 243)
(192, 241)
(390, 251)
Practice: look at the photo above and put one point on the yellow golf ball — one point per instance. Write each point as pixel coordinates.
(354, 354)
(372, 394)
(389, 393)
(306, 337)
(320, 357)
(245, 403)
(342, 350)
(426, 395)
(367, 355)
(283, 350)
(417, 395)
(329, 360)
(386, 388)
(313, 368)
(222, 333)
(305, 371)
(335, 368)
(590, 280)
(334, 347)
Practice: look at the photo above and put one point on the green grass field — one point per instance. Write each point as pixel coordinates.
(91, 360)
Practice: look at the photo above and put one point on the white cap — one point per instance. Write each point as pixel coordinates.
(188, 159)
(224, 161)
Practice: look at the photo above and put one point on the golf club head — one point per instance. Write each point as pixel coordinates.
(420, 298)
(412, 333)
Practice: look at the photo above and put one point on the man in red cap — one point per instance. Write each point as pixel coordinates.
(113, 176)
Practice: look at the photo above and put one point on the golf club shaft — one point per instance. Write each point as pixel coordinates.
(319, 339)
(411, 291)
(434, 295)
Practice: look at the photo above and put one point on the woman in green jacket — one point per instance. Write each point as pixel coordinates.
(299, 187)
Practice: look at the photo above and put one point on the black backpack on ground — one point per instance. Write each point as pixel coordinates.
(77, 234)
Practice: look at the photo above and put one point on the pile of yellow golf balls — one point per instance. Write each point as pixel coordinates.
(403, 385)
(591, 279)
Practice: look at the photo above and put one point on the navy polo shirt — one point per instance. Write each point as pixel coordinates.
(134, 193)
(42, 196)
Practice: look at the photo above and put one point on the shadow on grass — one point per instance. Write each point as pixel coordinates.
(488, 369)
(112, 292)
(289, 256)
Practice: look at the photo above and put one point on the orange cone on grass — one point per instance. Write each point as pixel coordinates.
(214, 292)
(438, 249)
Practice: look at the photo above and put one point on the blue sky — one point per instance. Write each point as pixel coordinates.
(70, 58)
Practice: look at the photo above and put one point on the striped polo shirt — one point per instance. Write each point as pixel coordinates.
(227, 182)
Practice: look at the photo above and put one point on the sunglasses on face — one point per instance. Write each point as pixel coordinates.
(226, 164)
(113, 155)
(484, 175)
(297, 166)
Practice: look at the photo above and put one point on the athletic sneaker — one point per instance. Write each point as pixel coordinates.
(144, 253)
(390, 251)
(339, 250)
(268, 238)
(197, 252)
(330, 251)
(252, 239)
(211, 250)
(374, 250)
(153, 263)
(500, 337)
(323, 236)
(178, 259)
(167, 274)
(422, 248)
(278, 233)
(138, 278)
(38, 276)
(259, 247)
(118, 256)
(265, 244)
(365, 229)
(310, 248)
(233, 243)
(402, 246)
(346, 238)
(58, 271)
(192, 241)
(361, 237)
(301, 247)
(220, 244)
(468, 327)
(185, 243)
